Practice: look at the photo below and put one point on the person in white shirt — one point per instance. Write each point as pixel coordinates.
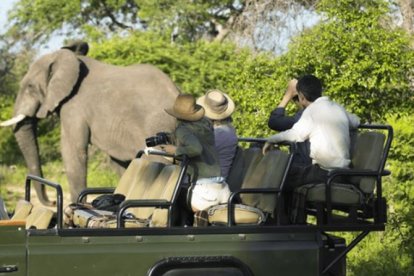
(327, 126)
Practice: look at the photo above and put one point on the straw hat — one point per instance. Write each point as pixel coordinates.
(217, 104)
(185, 108)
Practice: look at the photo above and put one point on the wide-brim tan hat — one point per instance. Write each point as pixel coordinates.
(185, 108)
(217, 105)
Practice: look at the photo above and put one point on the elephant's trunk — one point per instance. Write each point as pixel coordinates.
(25, 133)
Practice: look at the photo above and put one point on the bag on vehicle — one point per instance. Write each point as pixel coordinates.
(108, 202)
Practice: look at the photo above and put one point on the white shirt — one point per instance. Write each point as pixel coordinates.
(326, 124)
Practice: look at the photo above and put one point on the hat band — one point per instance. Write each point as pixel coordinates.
(185, 112)
(217, 107)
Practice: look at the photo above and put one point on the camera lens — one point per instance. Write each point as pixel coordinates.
(151, 141)
(160, 138)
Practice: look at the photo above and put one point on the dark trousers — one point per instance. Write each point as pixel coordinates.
(183, 215)
(299, 175)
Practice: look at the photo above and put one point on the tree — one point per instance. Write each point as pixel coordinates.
(364, 63)
(6, 63)
(35, 21)
(364, 60)
(12, 68)
(247, 21)
(260, 24)
(407, 12)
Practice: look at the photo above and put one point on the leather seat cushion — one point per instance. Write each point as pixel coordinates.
(243, 214)
(346, 194)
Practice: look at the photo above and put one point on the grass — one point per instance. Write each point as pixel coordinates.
(12, 179)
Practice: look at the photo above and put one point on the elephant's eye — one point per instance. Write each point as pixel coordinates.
(31, 89)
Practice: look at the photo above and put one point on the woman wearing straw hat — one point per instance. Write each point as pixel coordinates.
(194, 137)
(218, 108)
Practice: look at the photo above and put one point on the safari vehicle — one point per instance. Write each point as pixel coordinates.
(247, 236)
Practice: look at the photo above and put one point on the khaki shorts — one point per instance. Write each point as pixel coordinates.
(208, 193)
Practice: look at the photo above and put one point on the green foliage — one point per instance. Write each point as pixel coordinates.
(352, 11)
(100, 173)
(400, 190)
(402, 150)
(8, 145)
(379, 254)
(38, 19)
(362, 63)
(191, 19)
(392, 252)
(9, 152)
(365, 65)
(194, 67)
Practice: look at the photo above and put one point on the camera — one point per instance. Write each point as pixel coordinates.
(159, 139)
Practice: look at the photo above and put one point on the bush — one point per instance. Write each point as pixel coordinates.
(392, 252)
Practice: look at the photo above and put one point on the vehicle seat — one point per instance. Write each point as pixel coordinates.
(4, 215)
(22, 210)
(136, 177)
(35, 217)
(350, 194)
(243, 159)
(39, 218)
(133, 182)
(260, 190)
(142, 181)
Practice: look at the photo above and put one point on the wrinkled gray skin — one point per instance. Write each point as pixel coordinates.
(112, 107)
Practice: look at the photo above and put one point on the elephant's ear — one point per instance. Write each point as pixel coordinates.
(63, 75)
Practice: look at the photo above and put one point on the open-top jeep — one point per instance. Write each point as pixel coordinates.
(250, 235)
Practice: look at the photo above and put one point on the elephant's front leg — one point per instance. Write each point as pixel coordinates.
(74, 143)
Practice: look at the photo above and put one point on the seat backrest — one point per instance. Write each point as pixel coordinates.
(367, 155)
(39, 218)
(139, 178)
(244, 159)
(269, 172)
(3, 210)
(234, 178)
(162, 188)
(131, 175)
(22, 210)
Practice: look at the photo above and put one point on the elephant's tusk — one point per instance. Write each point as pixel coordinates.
(13, 120)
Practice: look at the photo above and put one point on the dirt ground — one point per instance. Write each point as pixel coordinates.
(18, 192)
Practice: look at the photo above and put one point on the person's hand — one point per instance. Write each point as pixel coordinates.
(170, 149)
(289, 94)
(291, 90)
(266, 147)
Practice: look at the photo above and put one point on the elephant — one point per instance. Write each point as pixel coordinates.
(112, 107)
(77, 46)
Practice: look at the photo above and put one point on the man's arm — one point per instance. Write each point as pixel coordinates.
(298, 133)
(277, 120)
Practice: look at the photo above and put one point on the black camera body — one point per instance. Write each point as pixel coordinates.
(161, 138)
